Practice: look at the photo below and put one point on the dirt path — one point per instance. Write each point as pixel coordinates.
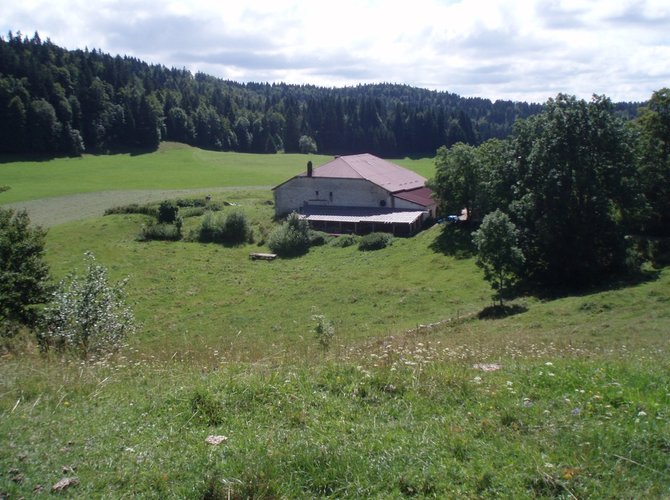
(48, 212)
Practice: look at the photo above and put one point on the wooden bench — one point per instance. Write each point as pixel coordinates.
(262, 256)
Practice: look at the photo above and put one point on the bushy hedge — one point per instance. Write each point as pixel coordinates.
(291, 238)
(232, 229)
(346, 240)
(203, 203)
(133, 208)
(318, 238)
(375, 241)
(162, 232)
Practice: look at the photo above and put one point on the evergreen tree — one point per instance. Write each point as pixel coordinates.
(23, 272)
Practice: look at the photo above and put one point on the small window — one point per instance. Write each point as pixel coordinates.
(382, 203)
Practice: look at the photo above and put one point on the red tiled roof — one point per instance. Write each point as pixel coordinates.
(383, 173)
(421, 196)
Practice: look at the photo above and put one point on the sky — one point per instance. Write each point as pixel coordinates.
(522, 50)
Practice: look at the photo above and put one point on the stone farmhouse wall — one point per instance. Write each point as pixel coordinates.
(325, 191)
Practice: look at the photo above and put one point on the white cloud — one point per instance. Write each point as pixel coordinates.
(526, 50)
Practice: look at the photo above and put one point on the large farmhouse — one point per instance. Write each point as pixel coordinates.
(358, 194)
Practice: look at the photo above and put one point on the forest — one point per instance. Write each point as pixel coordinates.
(63, 102)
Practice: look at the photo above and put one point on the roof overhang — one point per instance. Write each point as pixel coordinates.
(361, 215)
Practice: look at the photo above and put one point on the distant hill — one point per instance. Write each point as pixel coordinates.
(58, 101)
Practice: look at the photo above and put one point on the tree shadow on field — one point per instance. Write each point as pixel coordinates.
(121, 150)
(615, 281)
(28, 157)
(501, 311)
(455, 240)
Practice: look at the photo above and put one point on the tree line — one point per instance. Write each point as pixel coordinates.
(58, 101)
(573, 196)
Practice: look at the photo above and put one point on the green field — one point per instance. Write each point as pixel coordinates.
(417, 396)
(173, 166)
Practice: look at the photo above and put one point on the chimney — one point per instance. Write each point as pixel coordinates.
(309, 169)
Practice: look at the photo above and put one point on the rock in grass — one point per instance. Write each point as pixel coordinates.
(216, 440)
(65, 483)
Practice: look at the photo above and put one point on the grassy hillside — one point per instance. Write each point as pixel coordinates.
(568, 398)
(190, 295)
(575, 405)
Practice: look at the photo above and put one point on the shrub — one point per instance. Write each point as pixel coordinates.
(202, 203)
(318, 238)
(210, 227)
(229, 230)
(87, 314)
(190, 202)
(291, 238)
(133, 208)
(375, 241)
(192, 212)
(324, 331)
(344, 241)
(236, 229)
(162, 232)
(167, 212)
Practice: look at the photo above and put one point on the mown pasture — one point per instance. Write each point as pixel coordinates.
(173, 166)
(569, 397)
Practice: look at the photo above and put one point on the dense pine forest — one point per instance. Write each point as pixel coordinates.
(58, 101)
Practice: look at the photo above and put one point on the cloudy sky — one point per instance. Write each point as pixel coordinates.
(500, 49)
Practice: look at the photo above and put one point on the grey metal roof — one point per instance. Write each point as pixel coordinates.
(356, 215)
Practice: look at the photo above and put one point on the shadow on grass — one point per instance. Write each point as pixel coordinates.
(45, 157)
(29, 157)
(501, 311)
(455, 240)
(616, 281)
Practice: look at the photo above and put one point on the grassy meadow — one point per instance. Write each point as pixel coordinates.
(416, 396)
(173, 166)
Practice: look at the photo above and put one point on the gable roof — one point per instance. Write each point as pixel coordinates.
(383, 173)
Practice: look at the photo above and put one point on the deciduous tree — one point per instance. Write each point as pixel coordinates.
(498, 253)
(574, 163)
